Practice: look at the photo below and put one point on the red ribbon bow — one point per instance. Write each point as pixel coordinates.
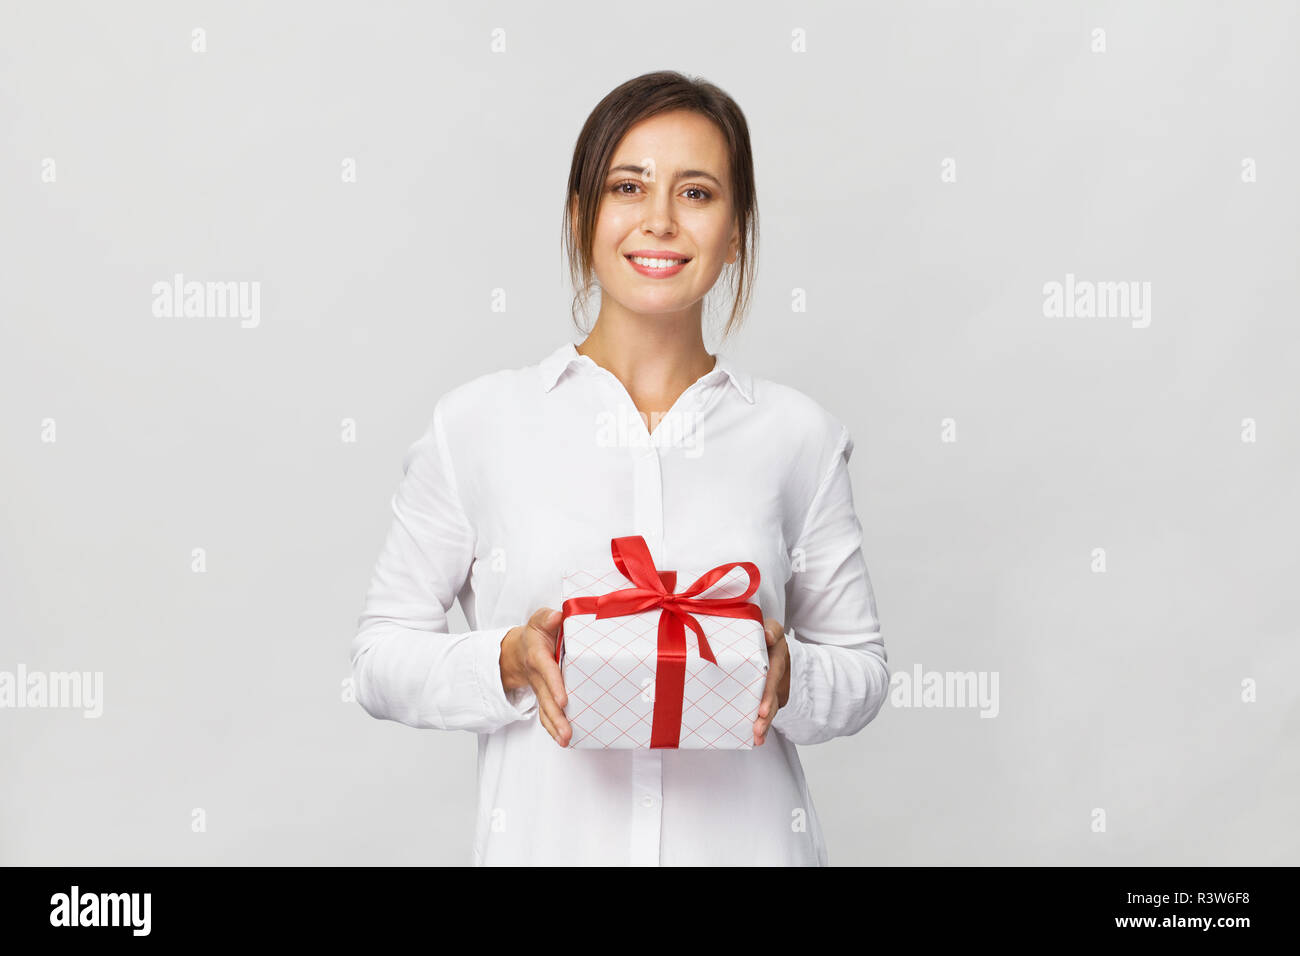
(653, 589)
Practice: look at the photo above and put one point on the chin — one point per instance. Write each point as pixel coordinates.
(656, 306)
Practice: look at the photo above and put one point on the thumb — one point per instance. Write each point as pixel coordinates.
(773, 630)
(547, 620)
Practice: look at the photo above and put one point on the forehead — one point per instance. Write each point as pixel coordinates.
(679, 135)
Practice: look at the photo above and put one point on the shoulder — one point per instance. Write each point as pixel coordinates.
(483, 399)
(818, 433)
(811, 442)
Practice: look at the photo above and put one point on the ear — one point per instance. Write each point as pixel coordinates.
(733, 246)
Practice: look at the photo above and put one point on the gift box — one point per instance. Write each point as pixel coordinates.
(646, 666)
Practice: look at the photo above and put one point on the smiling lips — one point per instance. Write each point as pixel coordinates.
(657, 264)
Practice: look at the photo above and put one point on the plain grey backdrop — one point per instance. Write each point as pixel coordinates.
(1161, 150)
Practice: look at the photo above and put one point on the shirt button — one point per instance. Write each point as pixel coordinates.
(647, 801)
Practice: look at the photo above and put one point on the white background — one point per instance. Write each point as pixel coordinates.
(222, 691)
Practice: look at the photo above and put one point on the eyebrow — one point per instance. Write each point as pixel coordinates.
(680, 174)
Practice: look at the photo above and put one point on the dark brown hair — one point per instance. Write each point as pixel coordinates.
(620, 110)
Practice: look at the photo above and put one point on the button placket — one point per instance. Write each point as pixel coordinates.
(647, 765)
(648, 521)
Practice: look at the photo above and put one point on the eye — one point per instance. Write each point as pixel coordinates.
(617, 189)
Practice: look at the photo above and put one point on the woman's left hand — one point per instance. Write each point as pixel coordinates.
(777, 691)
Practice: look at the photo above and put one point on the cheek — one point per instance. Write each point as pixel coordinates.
(613, 223)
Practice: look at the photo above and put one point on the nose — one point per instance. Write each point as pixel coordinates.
(659, 215)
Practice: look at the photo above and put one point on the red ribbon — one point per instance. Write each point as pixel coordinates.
(654, 589)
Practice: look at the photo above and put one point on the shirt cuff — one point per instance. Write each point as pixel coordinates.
(798, 705)
(500, 704)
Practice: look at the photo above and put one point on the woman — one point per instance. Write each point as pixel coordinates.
(519, 478)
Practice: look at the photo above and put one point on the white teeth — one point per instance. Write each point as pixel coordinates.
(656, 263)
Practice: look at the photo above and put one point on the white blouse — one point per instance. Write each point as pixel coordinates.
(525, 474)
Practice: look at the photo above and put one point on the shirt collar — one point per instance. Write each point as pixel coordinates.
(553, 366)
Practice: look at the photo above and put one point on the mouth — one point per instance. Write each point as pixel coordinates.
(658, 266)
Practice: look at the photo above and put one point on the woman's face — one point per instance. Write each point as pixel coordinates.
(667, 191)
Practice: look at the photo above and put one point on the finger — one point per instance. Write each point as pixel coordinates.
(539, 655)
(542, 628)
(549, 711)
(774, 633)
(767, 708)
(545, 674)
(546, 721)
(547, 622)
(554, 679)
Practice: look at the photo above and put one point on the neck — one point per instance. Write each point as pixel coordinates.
(656, 357)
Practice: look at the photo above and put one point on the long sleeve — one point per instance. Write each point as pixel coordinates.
(406, 666)
(839, 676)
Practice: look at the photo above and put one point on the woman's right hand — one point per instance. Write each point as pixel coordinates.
(528, 660)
